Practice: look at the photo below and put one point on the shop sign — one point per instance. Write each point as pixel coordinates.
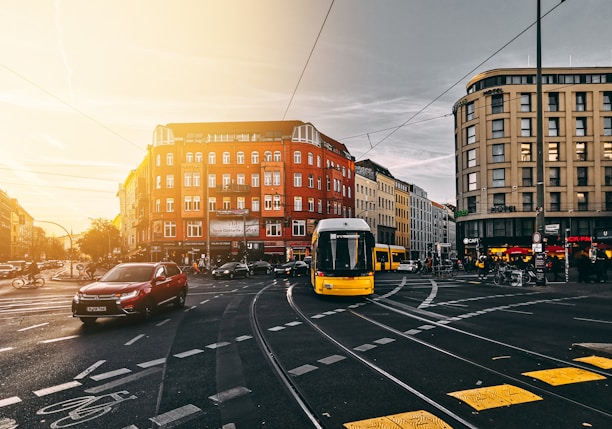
(471, 240)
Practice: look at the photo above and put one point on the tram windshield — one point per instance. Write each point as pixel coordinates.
(347, 251)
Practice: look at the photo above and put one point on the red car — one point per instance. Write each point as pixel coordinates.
(134, 289)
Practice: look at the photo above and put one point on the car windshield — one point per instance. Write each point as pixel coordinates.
(227, 265)
(141, 273)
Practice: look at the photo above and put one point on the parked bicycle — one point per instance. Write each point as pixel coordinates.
(511, 275)
(24, 281)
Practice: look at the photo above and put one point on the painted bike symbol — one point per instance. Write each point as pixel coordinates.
(84, 408)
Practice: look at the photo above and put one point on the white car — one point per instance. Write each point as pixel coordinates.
(408, 266)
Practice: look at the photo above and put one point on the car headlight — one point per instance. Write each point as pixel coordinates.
(127, 295)
(76, 298)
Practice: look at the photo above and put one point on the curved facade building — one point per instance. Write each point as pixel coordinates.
(495, 149)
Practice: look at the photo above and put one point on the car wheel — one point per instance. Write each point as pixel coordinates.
(147, 310)
(180, 299)
(88, 321)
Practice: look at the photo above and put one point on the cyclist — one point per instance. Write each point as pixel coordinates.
(32, 271)
(91, 269)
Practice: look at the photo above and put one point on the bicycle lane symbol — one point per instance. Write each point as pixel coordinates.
(84, 408)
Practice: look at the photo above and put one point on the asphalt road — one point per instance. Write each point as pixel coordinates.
(267, 353)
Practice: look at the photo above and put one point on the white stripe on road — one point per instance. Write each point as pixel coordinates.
(188, 353)
(32, 327)
(6, 349)
(592, 320)
(152, 363)
(58, 339)
(9, 401)
(432, 295)
(58, 388)
(111, 374)
(89, 370)
(133, 340)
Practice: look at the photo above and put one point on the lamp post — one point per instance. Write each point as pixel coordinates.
(69, 237)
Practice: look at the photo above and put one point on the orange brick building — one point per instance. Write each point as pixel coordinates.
(210, 189)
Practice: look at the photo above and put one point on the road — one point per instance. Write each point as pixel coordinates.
(267, 353)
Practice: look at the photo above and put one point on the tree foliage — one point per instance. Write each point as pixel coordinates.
(100, 240)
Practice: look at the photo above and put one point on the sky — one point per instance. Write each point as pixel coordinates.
(84, 83)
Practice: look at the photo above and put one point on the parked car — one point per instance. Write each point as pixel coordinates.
(308, 260)
(291, 269)
(230, 270)
(132, 289)
(260, 267)
(20, 266)
(7, 271)
(408, 266)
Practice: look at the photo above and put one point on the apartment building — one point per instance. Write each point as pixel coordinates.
(495, 148)
(228, 189)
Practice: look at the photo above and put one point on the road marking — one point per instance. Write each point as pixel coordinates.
(133, 340)
(89, 370)
(58, 339)
(601, 362)
(301, 370)
(152, 363)
(432, 295)
(592, 320)
(205, 301)
(128, 379)
(217, 345)
(111, 374)
(58, 388)
(188, 353)
(561, 376)
(516, 311)
(9, 401)
(331, 359)
(503, 395)
(243, 338)
(163, 322)
(176, 417)
(412, 420)
(6, 349)
(32, 327)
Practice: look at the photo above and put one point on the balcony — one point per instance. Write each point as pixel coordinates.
(233, 188)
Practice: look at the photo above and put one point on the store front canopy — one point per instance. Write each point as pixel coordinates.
(517, 251)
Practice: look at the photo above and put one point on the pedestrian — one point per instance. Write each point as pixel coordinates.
(481, 267)
(196, 270)
(555, 267)
(91, 269)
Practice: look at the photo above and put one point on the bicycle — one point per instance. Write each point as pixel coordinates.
(21, 281)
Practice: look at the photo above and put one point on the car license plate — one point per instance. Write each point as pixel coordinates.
(96, 309)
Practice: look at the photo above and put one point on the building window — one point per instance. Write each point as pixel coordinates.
(267, 202)
(526, 127)
(582, 176)
(525, 102)
(553, 127)
(471, 204)
(227, 203)
(581, 130)
(240, 157)
(527, 201)
(497, 127)
(555, 201)
(469, 111)
(240, 179)
(226, 158)
(527, 176)
(188, 205)
(471, 134)
(553, 151)
(298, 228)
(472, 182)
(607, 131)
(212, 158)
(526, 152)
(497, 103)
(170, 181)
(297, 204)
(169, 229)
(581, 151)
(297, 180)
(498, 153)
(297, 157)
(157, 182)
(274, 229)
(607, 150)
(254, 157)
(583, 201)
(580, 101)
(607, 101)
(499, 177)
(499, 200)
(311, 204)
(212, 204)
(267, 178)
(169, 159)
(194, 228)
(226, 180)
(608, 176)
(196, 203)
(157, 205)
(189, 157)
(276, 178)
(267, 156)
(554, 176)
(471, 158)
(198, 157)
(157, 160)
(255, 183)
(608, 202)
(276, 202)
(212, 180)
(240, 203)
(187, 180)
(255, 204)
(553, 101)
(277, 156)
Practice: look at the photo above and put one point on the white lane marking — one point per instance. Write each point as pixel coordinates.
(133, 340)
(9, 401)
(516, 311)
(111, 374)
(188, 353)
(58, 388)
(177, 416)
(6, 349)
(163, 322)
(152, 363)
(592, 320)
(205, 301)
(432, 295)
(89, 370)
(58, 339)
(32, 327)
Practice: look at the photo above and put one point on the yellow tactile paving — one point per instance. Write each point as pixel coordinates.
(411, 420)
(503, 395)
(561, 376)
(598, 361)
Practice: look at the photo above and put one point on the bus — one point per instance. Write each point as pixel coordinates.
(387, 257)
(342, 258)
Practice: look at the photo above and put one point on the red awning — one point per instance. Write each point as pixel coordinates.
(518, 251)
(555, 249)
